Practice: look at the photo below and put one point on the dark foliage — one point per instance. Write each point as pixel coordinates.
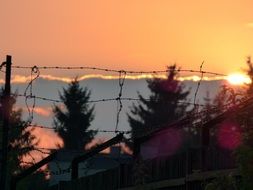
(250, 74)
(72, 121)
(21, 140)
(163, 106)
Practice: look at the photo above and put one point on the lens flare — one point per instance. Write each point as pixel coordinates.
(229, 135)
(238, 79)
(164, 143)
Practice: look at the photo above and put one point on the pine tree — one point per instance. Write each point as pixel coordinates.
(21, 141)
(250, 74)
(72, 121)
(244, 154)
(162, 107)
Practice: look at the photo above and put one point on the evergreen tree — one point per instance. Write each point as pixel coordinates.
(244, 153)
(163, 105)
(250, 74)
(21, 140)
(72, 121)
(204, 133)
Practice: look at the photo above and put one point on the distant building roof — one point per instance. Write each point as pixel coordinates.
(60, 167)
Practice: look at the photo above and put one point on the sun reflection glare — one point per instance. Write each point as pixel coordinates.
(238, 79)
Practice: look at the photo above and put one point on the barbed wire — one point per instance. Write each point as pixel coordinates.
(116, 71)
(1, 66)
(180, 123)
(34, 70)
(101, 100)
(198, 85)
(189, 116)
(27, 163)
(30, 149)
(119, 99)
(41, 150)
(59, 170)
(31, 156)
(190, 119)
(122, 77)
(193, 119)
(89, 130)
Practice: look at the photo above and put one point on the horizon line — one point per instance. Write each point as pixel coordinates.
(20, 79)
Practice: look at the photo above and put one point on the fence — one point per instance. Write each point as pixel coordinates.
(175, 169)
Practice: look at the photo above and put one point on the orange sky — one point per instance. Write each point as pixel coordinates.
(130, 34)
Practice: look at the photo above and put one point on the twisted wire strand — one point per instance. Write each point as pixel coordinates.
(34, 70)
(122, 77)
(115, 70)
(100, 100)
(198, 85)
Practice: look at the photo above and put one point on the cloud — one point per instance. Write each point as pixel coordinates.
(131, 77)
(47, 138)
(19, 79)
(46, 112)
(25, 79)
(95, 142)
(42, 111)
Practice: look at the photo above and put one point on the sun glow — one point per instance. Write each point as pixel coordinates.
(238, 79)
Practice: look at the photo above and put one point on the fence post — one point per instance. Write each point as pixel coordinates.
(92, 152)
(6, 120)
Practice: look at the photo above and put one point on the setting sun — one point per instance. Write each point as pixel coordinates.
(238, 79)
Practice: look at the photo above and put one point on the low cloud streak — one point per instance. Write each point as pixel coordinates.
(19, 79)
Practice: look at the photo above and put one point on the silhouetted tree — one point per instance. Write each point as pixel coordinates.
(72, 121)
(208, 114)
(163, 105)
(244, 153)
(21, 141)
(250, 74)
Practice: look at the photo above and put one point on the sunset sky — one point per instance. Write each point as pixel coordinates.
(120, 34)
(132, 34)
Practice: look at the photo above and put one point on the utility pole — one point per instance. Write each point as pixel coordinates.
(6, 120)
